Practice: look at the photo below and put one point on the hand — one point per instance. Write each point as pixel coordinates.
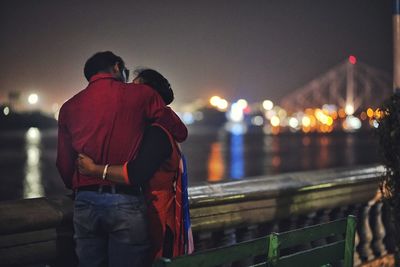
(86, 166)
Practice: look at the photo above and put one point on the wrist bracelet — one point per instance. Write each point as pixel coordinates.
(105, 172)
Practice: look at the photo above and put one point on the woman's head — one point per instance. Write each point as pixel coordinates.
(156, 81)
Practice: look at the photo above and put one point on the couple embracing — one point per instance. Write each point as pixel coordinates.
(118, 151)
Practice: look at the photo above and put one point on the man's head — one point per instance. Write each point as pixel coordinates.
(106, 62)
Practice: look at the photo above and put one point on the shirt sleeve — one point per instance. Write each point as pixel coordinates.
(154, 150)
(66, 155)
(158, 112)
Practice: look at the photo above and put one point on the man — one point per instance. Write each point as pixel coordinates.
(106, 121)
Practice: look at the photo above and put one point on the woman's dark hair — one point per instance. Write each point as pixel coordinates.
(158, 82)
(101, 62)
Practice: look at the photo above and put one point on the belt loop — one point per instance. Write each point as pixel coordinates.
(113, 189)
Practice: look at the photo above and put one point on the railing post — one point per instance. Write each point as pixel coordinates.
(365, 234)
(378, 230)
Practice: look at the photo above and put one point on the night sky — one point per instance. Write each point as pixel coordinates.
(238, 49)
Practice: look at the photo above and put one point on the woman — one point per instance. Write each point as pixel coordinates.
(165, 187)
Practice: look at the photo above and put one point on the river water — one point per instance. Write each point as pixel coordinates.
(27, 157)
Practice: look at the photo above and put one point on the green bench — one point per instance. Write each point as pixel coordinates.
(342, 249)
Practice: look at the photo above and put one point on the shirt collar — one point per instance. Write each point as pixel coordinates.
(101, 76)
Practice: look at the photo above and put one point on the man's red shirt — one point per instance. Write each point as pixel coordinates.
(106, 122)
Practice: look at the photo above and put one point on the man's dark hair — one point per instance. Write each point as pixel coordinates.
(101, 62)
(158, 82)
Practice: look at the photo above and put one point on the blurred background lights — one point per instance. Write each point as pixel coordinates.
(370, 112)
(214, 100)
(351, 123)
(306, 121)
(275, 121)
(267, 104)
(293, 122)
(188, 118)
(236, 113)
(218, 102)
(222, 104)
(349, 109)
(242, 103)
(33, 99)
(257, 120)
(6, 111)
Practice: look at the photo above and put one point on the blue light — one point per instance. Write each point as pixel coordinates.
(237, 162)
(188, 118)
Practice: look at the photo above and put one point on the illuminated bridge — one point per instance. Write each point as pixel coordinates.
(351, 85)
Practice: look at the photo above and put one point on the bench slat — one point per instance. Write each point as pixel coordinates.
(314, 257)
(219, 256)
(311, 233)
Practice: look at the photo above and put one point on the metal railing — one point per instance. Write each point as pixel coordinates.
(40, 230)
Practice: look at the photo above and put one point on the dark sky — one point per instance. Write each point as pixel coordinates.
(250, 49)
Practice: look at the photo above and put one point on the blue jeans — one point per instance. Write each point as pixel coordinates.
(110, 230)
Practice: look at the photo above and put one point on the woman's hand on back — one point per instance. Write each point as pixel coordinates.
(86, 166)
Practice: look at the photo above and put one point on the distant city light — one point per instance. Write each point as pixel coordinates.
(306, 121)
(351, 124)
(188, 118)
(214, 100)
(377, 113)
(330, 108)
(293, 122)
(236, 112)
(282, 113)
(370, 112)
(352, 60)
(219, 102)
(33, 99)
(242, 103)
(6, 111)
(267, 104)
(33, 135)
(341, 113)
(222, 104)
(349, 109)
(269, 114)
(257, 120)
(275, 121)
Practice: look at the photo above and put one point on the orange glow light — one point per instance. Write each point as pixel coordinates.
(370, 113)
(341, 113)
(216, 167)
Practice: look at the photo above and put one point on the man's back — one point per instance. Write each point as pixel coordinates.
(105, 121)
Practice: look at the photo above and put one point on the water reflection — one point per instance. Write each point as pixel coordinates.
(237, 161)
(27, 158)
(276, 162)
(33, 180)
(216, 165)
(306, 153)
(323, 160)
(350, 150)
